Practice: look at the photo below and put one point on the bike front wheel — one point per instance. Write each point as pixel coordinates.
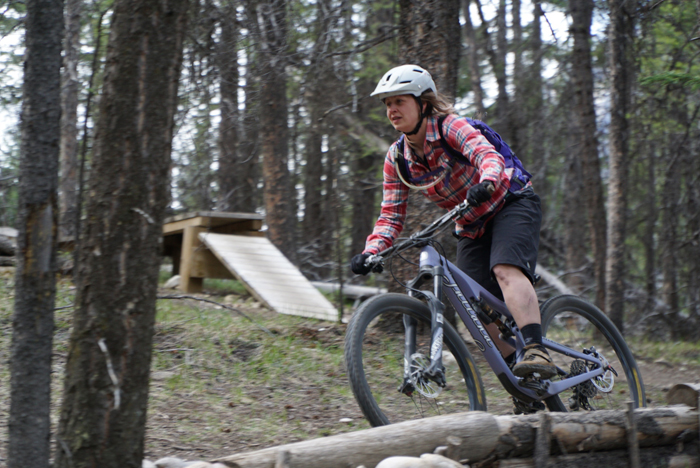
(374, 357)
(581, 326)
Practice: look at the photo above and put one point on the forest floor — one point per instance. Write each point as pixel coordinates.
(221, 384)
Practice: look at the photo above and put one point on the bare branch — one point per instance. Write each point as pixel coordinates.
(239, 312)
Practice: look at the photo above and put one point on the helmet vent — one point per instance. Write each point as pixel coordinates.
(387, 78)
(418, 70)
(404, 81)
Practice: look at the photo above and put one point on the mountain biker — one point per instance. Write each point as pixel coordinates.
(499, 233)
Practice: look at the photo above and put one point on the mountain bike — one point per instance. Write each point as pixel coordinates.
(399, 369)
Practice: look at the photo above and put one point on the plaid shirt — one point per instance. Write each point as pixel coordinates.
(486, 164)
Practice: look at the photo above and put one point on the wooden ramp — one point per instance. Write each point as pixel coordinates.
(269, 275)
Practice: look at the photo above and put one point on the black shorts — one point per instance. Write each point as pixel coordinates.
(512, 237)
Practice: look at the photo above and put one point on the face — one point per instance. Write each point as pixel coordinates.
(402, 112)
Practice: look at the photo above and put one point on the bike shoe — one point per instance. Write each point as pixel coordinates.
(535, 360)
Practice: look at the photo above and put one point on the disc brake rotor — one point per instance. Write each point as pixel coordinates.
(423, 385)
(606, 380)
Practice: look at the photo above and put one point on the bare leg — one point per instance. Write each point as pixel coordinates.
(519, 294)
(521, 300)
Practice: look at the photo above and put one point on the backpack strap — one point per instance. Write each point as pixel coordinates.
(404, 173)
(520, 176)
(449, 150)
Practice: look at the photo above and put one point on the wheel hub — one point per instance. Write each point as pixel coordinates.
(419, 377)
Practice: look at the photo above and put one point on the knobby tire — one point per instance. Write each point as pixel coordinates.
(364, 346)
(574, 319)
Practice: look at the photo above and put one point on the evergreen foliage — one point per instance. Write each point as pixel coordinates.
(335, 52)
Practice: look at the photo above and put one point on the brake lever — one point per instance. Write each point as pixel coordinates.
(376, 262)
(461, 209)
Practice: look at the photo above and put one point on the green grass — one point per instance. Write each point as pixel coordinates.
(673, 352)
(221, 384)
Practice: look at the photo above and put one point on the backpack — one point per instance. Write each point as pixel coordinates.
(519, 178)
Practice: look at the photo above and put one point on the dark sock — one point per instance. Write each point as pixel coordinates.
(532, 334)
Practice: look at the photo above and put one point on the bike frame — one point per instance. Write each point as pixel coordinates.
(469, 299)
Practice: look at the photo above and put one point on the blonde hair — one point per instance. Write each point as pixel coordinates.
(438, 104)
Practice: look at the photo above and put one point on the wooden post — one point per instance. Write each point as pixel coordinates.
(282, 459)
(453, 448)
(632, 441)
(543, 440)
(190, 244)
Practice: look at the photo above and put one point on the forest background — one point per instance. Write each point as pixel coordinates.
(270, 112)
(598, 99)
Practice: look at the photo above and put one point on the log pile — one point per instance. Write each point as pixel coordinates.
(667, 435)
(8, 246)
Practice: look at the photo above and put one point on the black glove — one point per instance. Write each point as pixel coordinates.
(357, 264)
(480, 193)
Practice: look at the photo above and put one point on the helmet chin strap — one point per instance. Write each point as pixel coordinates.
(420, 120)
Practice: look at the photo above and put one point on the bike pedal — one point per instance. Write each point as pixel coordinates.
(520, 407)
(532, 383)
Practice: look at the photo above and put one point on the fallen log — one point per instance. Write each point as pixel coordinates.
(483, 436)
(658, 457)
(684, 394)
(7, 247)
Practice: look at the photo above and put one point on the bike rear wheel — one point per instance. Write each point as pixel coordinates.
(374, 357)
(579, 325)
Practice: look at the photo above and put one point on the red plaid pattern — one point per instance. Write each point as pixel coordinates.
(487, 164)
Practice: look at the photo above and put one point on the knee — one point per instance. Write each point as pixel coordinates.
(508, 274)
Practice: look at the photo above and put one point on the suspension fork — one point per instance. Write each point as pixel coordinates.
(437, 312)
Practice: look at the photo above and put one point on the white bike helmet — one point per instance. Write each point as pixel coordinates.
(406, 79)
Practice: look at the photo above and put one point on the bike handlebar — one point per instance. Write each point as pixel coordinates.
(375, 261)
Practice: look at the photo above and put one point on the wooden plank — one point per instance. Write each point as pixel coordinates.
(245, 225)
(190, 244)
(206, 265)
(214, 214)
(213, 220)
(178, 227)
(269, 275)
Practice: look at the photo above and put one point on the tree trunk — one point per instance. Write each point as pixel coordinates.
(363, 198)
(649, 232)
(693, 248)
(69, 120)
(35, 278)
(669, 240)
(230, 168)
(318, 211)
(503, 122)
(620, 27)
(369, 148)
(103, 413)
(581, 13)
(473, 62)
(518, 117)
(574, 236)
(429, 37)
(269, 23)
(671, 196)
(247, 197)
